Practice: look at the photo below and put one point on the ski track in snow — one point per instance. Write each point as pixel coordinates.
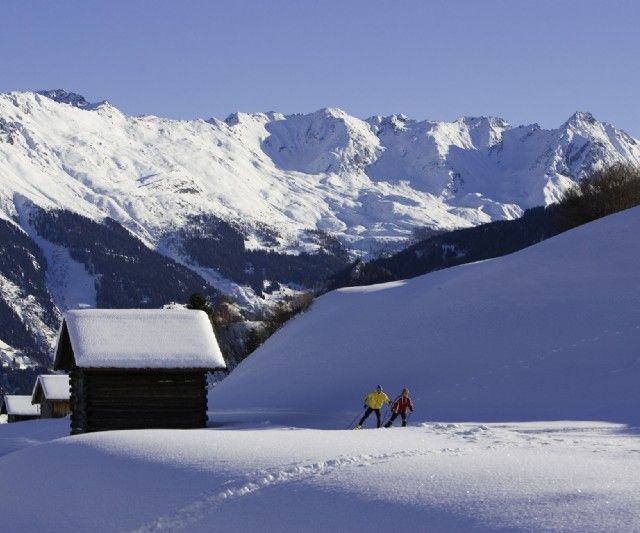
(466, 438)
(263, 479)
(10, 445)
(572, 437)
(484, 476)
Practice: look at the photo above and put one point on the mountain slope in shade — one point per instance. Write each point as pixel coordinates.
(550, 332)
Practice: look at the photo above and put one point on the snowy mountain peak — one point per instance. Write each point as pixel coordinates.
(233, 119)
(64, 97)
(380, 124)
(495, 122)
(584, 143)
(326, 141)
(236, 118)
(332, 112)
(581, 118)
(484, 132)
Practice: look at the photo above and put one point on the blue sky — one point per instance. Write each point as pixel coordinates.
(535, 61)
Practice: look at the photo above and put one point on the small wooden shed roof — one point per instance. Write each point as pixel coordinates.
(51, 387)
(19, 406)
(137, 339)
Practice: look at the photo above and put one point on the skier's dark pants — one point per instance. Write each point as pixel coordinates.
(394, 416)
(367, 413)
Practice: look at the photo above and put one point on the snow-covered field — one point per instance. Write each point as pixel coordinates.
(434, 477)
(511, 363)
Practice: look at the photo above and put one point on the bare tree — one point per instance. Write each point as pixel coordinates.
(602, 193)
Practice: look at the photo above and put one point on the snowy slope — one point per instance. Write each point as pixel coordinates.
(9, 357)
(550, 332)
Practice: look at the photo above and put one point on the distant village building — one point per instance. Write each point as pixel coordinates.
(134, 368)
(19, 408)
(53, 394)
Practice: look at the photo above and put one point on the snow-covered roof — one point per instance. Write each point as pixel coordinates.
(51, 387)
(19, 406)
(137, 338)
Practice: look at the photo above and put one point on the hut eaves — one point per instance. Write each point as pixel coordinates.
(53, 387)
(18, 405)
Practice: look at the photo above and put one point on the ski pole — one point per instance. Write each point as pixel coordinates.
(390, 412)
(354, 420)
(387, 415)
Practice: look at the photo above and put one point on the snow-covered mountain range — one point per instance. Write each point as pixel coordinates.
(359, 180)
(101, 208)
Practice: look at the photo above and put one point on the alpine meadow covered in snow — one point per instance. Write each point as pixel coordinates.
(333, 266)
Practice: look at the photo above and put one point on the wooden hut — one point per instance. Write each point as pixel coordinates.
(18, 408)
(134, 368)
(52, 392)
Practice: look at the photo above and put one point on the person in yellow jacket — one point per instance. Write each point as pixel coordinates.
(374, 402)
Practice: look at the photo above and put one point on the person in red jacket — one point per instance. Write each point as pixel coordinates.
(400, 407)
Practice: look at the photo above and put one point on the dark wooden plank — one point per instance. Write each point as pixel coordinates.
(142, 376)
(142, 418)
(146, 390)
(142, 413)
(115, 384)
(110, 399)
(128, 411)
(144, 424)
(119, 371)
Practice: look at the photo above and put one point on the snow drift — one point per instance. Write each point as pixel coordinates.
(550, 332)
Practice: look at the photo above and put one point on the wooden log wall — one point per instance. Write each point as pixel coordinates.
(54, 408)
(119, 399)
(60, 408)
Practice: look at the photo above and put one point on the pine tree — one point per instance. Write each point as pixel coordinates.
(199, 301)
